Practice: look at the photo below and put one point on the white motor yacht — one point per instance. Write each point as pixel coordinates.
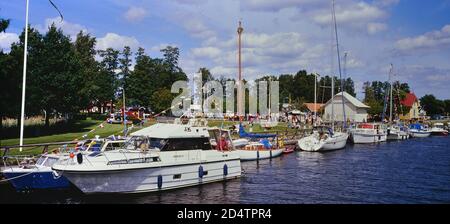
(160, 157)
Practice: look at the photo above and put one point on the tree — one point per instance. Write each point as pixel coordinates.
(206, 75)
(4, 23)
(140, 84)
(108, 80)
(54, 75)
(125, 64)
(162, 100)
(85, 52)
(432, 105)
(171, 55)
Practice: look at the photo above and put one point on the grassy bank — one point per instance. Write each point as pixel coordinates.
(91, 128)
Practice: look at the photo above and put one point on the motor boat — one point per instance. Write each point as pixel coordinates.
(439, 130)
(397, 132)
(419, 131)
(39, 175)
(365, 133)
(156, 158)
(259, 150)
(30, 175)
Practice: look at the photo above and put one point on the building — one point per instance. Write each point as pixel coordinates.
(355, 110)
(413, 104)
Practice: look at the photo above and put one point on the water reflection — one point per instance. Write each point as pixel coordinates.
(413, 171)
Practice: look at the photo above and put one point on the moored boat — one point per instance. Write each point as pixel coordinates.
(365, 133)
(419, 131)
(160, 157)
(397, 132)
(439, 130)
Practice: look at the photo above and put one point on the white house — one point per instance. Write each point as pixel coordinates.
(355, 110)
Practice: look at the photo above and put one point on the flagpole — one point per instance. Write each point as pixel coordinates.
(24, 81)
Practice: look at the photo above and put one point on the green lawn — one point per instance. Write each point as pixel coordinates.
(80, 128)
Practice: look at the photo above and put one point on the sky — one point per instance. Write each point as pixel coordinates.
(280, 37)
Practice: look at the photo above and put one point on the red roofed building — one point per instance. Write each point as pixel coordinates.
(314, 107)
(413, 103)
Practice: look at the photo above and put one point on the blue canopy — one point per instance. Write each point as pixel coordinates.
(266, 143)
(244, 134)
(416, 126)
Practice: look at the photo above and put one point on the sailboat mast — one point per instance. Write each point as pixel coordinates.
(339, 64)
(390, 94)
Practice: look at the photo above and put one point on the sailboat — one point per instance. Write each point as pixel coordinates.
(394, 131)
(323, 138)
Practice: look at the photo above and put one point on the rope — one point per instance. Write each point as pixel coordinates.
(13, 178)
(54, 6)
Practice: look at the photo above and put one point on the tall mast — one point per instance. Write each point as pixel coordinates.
(339, 65)
(240, 30)
(390, 93)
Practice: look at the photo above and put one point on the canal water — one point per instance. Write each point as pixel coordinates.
(412, 171)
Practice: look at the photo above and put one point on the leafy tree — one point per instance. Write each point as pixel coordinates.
(432, 105)
(54, 76)
(125, 64)
(107, 80)
(171, 55)
(4, 23)
(162, 99)
(85, 52)
(206, 75)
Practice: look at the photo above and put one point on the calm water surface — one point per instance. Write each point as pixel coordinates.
(412, 171)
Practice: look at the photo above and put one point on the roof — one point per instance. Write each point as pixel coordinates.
(409, 100)
(314, 107)
(351, 99)
(162, 130)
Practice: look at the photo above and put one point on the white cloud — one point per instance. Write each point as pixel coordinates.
(116, 41)
(357, 13)
(270, 5)
(71, 29)
(432, 40)
(135, 14)
(6, 39)
(206, 52)
(373, 28)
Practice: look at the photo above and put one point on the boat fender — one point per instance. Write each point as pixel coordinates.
(200, 171)
(160, 181)
(271, 153)
(80, 158)
(225, 170)
(257, 154)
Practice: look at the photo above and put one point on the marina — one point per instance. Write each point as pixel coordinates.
(412, 171)
(273, 113)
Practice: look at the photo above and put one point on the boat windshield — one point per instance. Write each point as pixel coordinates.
(144, 143)
(50, 161)
(41, 160)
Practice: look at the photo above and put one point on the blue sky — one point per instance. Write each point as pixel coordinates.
(279, 36)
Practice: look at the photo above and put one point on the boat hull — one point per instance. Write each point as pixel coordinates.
(361, 138)
(153, 178)
(338, 141)
(439, 133)
(416, 134)
(36, 180)
(249, 155)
